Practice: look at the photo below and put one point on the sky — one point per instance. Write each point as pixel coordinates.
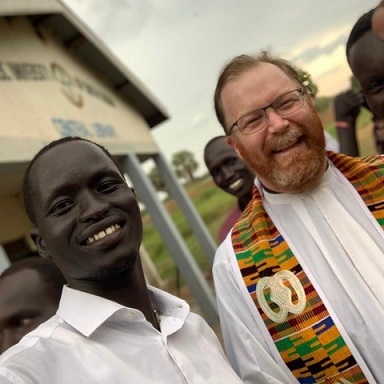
(177, 48)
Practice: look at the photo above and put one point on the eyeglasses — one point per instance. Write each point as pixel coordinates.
(284, 105)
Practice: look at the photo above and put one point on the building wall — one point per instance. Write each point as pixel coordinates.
(46, 93)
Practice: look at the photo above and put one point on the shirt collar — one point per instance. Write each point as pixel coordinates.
(86, 312)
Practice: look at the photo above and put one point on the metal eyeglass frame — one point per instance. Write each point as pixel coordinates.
(235, 124)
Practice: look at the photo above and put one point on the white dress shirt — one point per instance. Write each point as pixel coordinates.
(306, 227)
(94, 340)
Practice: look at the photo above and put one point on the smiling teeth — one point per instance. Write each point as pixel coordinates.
(102, 234)
(235, 184)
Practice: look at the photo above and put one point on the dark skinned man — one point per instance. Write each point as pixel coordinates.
(110, 326)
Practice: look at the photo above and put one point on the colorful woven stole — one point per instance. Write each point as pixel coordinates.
(309, 342)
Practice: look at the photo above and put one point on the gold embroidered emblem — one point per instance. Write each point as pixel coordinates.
(281, 295)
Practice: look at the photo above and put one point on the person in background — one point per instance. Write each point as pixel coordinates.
(365, 56)
(378, 21)
(30, 291)
(231, 175)
(347, 107)
(299, 279)
(110, 326)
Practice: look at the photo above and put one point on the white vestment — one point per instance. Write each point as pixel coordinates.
(348, 284)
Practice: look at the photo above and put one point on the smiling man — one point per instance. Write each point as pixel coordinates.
(231, 175)
(110, 326)
(299, 280)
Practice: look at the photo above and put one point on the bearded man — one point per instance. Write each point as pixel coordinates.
(299, 279)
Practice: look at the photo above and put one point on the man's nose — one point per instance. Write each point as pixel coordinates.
(225, 174)
(92, 207)
(276, 122)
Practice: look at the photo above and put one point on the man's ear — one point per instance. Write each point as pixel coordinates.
(40, 244)
(232, 143)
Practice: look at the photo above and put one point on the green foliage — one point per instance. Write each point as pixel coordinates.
(156, 179)
(322, 103)
(355, 86)
(365, 133)
(331, 128)
(185, 165)
(211, 203)
(364, 118)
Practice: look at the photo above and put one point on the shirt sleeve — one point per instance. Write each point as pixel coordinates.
(246, 350)
(7, 377)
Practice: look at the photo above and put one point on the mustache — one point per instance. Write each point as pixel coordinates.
(283, 141)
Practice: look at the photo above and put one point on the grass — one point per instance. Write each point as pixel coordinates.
(213, 205)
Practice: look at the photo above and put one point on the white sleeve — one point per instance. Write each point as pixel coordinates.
(8, 377)
(246, 349)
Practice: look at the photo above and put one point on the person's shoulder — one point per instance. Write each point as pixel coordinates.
(374, 159)
(8, 377)
(31, 360)
(197, 326)
(28, 344)
(345, 162)
(375, 163)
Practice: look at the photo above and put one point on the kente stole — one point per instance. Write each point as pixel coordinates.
(309, 342)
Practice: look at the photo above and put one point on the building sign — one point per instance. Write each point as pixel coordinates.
(46, 93)
(72, 87)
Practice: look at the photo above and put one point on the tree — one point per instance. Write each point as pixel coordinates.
(156, 180)
(185, 165)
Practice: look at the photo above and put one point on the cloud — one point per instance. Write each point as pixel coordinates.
(315, 51)
(101, 16)
(178, 47)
